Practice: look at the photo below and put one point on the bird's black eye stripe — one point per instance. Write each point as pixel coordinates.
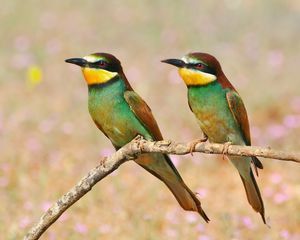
(199, 66)
(109, 66)
(99, 64)
(202, 67)
(195, 65)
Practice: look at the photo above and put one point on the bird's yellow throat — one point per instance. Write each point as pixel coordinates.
(97, 76)
(193, 78)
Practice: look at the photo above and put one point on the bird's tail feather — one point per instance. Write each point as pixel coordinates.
(257, 164)
(253, 194)
(162, 167)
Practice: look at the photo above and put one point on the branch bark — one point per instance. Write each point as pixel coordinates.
(130, 152)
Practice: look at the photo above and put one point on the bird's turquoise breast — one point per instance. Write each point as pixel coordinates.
(210, 106)
(110, 111)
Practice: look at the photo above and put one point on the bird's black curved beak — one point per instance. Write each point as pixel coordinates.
(77, 61)
(176, 62)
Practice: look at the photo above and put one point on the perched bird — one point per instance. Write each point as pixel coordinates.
(121, 114)
(221, 114)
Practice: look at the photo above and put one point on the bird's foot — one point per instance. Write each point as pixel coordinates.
(130, 157)
(164, 143)
(138, 140)
(225, 149)
(194, 143)
(138, 137)
(102, 162)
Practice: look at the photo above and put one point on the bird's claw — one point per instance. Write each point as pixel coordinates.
(102, 162)
(225, 149)
(138, 138)
(138, 141)
(194, 143)
(130, 157)
(164, 143)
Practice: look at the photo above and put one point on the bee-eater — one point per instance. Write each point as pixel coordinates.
(221, 114)
(121, 114)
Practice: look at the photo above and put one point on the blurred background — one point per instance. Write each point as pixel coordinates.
(48, 141)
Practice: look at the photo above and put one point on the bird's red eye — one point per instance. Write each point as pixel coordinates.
(199, 66)
(102, 63)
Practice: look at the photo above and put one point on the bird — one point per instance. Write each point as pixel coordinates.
(121, 115)
(221, 114)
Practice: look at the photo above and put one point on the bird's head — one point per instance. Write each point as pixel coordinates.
(197, 68)
(98, 68)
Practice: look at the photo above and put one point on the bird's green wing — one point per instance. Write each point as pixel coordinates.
(143, 113)
(239, 113)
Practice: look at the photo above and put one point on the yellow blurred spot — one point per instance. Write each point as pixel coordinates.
(34, 76)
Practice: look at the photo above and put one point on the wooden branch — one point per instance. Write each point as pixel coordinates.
(130, 152)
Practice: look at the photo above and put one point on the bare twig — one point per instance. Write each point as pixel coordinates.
(130, 152)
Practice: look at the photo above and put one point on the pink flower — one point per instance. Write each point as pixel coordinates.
(81, 228)
(200, 227)
(24, 222)
(284, 234)
(21, 60)
(33, 144)
(275, 178)
(191, 217)
(280, 198)
(248, 222)
(106, 152)
(204, 237)
(45, 206)
(276, 131)
(291, 121)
